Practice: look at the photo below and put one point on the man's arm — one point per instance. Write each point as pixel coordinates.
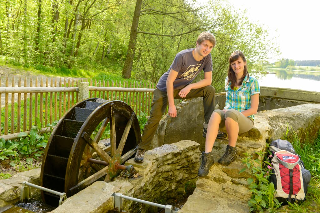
(204, 82)
(171, 78)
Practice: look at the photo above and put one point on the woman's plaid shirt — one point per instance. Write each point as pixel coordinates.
(240, 99)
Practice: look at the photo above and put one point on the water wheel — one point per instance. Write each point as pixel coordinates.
(88, 144)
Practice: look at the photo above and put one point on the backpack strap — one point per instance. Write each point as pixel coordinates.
(291, 184)
(274, 149)
(288, 165)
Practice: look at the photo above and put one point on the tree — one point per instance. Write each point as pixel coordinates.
(165, 27)
(284, 63)
(234, 31)
(126, 72)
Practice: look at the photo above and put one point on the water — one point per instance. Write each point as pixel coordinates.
(308, 81)
(32, 206)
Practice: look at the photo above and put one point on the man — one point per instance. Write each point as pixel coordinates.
(177, 83)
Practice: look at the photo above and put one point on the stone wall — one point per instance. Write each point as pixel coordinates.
(169, 170)
(10, 188)
(225, 188)
(168, 173)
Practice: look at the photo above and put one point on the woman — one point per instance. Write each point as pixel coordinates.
(242, 100)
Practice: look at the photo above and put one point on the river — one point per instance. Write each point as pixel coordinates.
(308, 81)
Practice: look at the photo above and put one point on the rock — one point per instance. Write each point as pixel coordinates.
(94, 199)
(10, 189)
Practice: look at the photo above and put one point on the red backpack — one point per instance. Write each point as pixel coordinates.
(289, 177)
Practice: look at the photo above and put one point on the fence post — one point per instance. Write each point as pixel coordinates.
(83, 91)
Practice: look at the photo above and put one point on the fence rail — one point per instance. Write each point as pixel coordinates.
(33, 101)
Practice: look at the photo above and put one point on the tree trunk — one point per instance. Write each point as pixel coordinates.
(83, 26)
(1, 49)
(37, 41)
(25, 45)
(66, 26)
(6, 40)
(74, 32)
(126, 72)
(55, 19)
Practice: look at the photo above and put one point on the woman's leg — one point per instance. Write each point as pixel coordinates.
(212, 131)
(207, 156)
(235, 123)
(232, 128)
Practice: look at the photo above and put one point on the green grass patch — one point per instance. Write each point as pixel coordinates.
(113, 68)
(262, 189)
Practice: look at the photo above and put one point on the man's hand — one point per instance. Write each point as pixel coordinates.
(172, 111)
(185, 91)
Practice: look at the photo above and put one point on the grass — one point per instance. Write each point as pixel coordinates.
(113, 69)
(262, 189)
(26, 153)
(310, 155)
(22, 154)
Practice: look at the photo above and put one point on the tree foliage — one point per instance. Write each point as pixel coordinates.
(63, 33)
(234, 31)
(90, 33)
(283, 63)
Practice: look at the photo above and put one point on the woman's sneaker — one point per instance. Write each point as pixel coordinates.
(229, 156)
(206, 161)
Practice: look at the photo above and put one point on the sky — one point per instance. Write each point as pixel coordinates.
(296, 23)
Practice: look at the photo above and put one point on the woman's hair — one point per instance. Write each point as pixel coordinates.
(231, 75)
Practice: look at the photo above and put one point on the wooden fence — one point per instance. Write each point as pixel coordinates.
(40, 101)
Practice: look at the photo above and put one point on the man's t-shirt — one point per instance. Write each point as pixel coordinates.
(187, 67)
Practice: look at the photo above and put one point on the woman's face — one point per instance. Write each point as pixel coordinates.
(238, 66)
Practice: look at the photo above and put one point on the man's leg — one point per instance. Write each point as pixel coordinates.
(158, 107)
(207, 93)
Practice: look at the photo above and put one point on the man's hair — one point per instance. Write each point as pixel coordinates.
(206, 36)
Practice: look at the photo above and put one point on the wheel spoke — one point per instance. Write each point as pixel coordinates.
(96, 147)
(125, 136)
(113, 134)
(128, 155)
(89, 180)
(107, 178)
(101, 130)
(100, 162)
(87, 153)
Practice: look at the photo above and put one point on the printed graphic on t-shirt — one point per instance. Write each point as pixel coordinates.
(191, 72)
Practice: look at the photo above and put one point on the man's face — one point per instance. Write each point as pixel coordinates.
(204, 48)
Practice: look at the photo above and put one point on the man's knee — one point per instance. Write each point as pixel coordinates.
(209, 89)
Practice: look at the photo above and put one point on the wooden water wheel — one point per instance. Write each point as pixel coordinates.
(88, 144)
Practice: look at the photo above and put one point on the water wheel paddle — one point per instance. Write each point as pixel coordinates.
(88, 144)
